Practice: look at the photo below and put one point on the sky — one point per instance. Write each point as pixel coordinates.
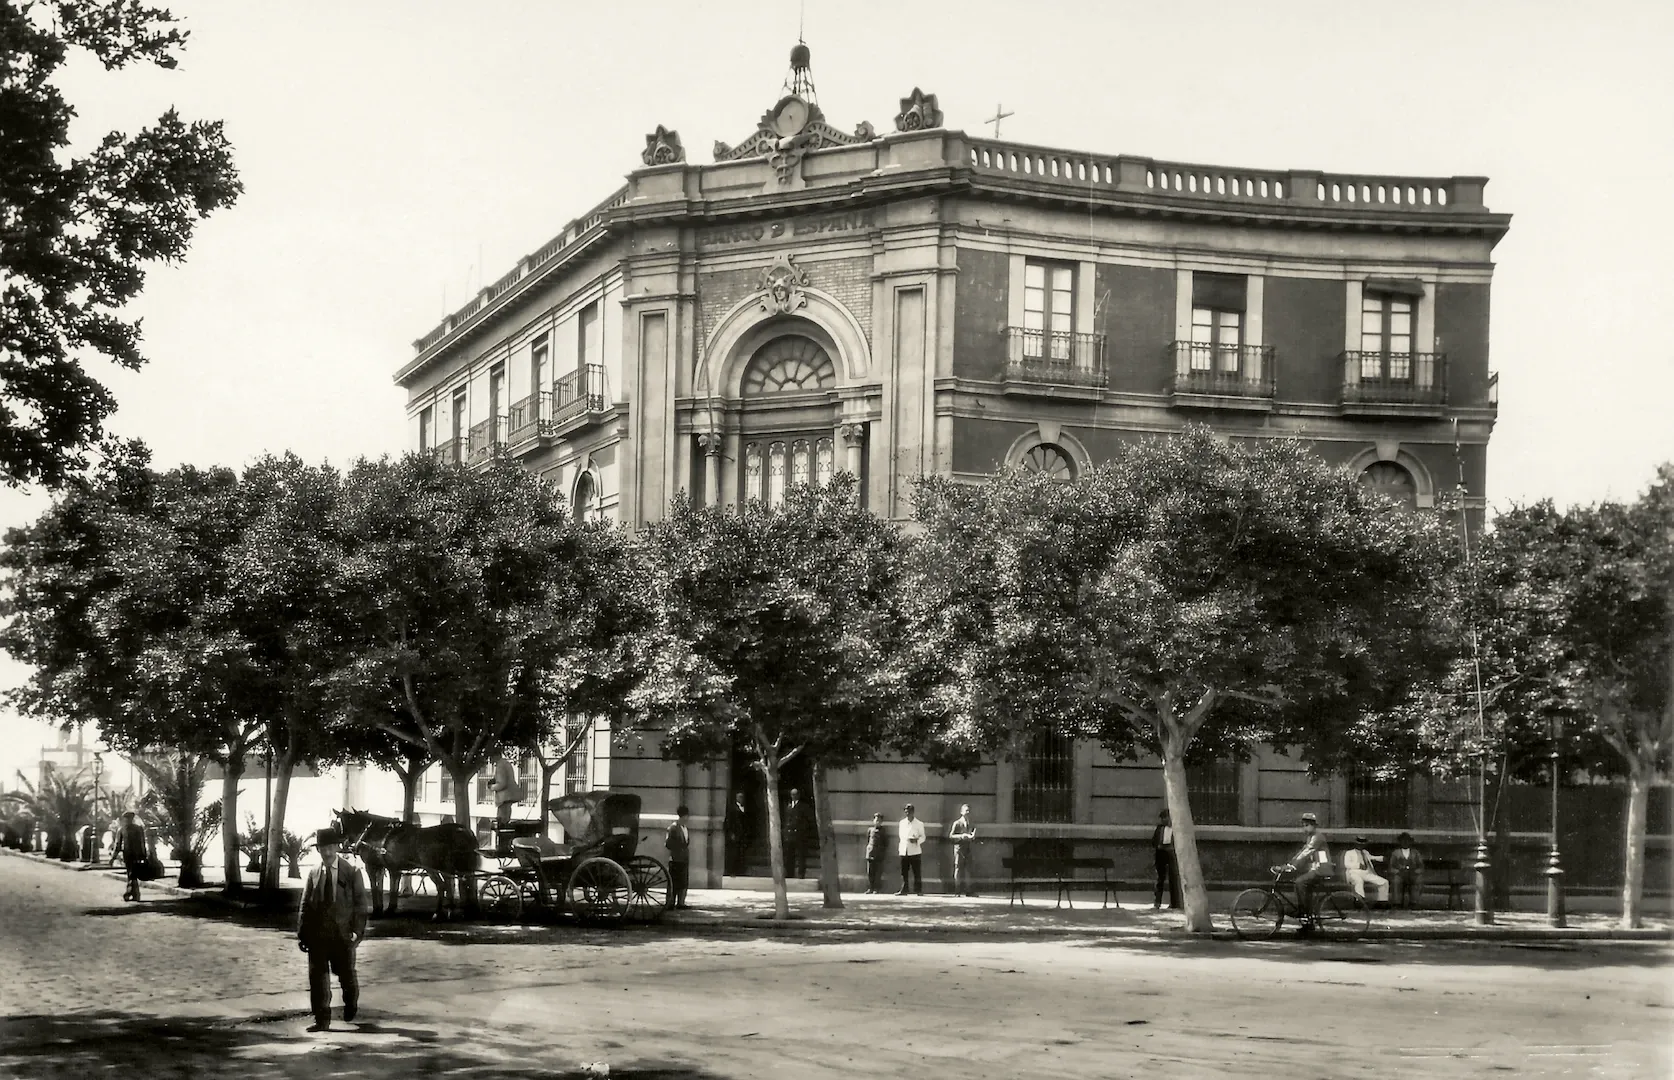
(396, 156)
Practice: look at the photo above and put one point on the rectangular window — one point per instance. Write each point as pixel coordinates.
(1048, 309)
(540, 362)
(575, 768)
(447, 789)
(1217, 322)
(1376, 804)
(1386, 321)
(1213, 790)
(498, 405)
(587, 343)
(427, 428)
(460, 424)
(1044, 789)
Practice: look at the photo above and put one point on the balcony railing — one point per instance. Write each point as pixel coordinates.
(488, 438)
(1055, 356)
(1390, 378)
(1224, 371)
(579, 393)
(529, 416)
(448, 450)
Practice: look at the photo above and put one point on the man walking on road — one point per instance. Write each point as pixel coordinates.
(330, 927)
(130, 844)
(911, 846)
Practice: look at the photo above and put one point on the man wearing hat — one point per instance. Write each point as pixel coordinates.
(330, 926)
(1406, 868)
(1360, 871)
(1311, 863)
(910, 833)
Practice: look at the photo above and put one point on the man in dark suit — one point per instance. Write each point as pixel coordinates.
(798, 826)
(737, 829)
(1167, 863)
(330, 926)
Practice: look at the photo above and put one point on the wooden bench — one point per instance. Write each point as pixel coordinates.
(1058, 873)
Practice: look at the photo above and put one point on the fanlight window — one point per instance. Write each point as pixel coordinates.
(1051, 460)
(1390, 479)
(770, 467)
(789, 364)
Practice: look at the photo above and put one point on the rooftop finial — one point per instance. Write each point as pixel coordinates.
(800, 81)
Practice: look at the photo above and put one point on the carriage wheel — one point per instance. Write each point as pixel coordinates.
(501, 898)
(599, 891)
(651, 889)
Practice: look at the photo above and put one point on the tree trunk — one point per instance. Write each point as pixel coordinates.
(275, 839)
(775, 834)
(1195, 893)
(830, 885)
(229, 817)
(1633, 877)
(410, 778)
(463, 792)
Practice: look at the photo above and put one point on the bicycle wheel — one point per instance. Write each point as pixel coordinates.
(1256, 914)
(1342, 915)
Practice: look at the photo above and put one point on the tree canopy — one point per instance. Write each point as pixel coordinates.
(78, 232)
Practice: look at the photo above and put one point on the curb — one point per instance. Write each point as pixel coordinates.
(214, 896)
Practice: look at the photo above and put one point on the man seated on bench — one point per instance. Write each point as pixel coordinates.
(1360, 871)
(1406, 870)
(1311, 863)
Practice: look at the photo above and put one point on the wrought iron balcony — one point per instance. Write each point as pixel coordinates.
(488, 438)
(1397, 382)
(448, 450)
(579, 393)
(1222, 376)
(1055, 356)
(528, 417)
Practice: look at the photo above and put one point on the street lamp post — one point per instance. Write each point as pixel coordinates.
(1483, 867)
(98, 768)
(1554, 871)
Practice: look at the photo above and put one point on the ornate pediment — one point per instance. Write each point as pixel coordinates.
(786, 132)
(918, 112)
(662, 147)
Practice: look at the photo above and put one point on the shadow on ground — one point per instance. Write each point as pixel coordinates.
(131, 1046)
(1289, 948)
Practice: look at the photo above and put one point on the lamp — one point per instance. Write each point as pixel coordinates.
(98, 768)
(1554, 871)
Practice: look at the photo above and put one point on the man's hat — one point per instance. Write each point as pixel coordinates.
(1311, 819)
(327, 836)
(1361, 840)
(1404, 838)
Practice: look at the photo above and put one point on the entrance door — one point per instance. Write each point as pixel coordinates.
(754, 860)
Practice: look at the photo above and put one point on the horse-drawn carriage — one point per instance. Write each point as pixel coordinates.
(596, 875)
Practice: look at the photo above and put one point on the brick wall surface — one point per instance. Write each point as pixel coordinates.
(849, 281)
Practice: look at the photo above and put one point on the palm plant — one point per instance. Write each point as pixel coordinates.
(171, 807)
(61, 804)
(253, 841)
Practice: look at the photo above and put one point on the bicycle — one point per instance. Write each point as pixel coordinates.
(1337, 913)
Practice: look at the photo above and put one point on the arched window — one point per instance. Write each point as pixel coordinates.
(787, 364)
(822, 463)
(1393, 481)
(776, 474)
(801, 463)
(584, 504)
(1051, 460)
(752, 472)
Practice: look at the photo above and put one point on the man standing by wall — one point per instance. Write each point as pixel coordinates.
(330, 927)
(506, 786)
(799, 829)
(737, 829)
(963, 835)
(910, 830)
(679, 844)
(1168, 869)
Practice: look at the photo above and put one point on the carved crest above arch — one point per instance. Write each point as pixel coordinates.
(782, 284)
(662, 147)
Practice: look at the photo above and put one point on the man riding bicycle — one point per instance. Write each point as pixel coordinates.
(1311, 863)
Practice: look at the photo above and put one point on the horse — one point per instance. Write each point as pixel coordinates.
(385, 844)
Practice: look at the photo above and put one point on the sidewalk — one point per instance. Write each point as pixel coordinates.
(737, 910)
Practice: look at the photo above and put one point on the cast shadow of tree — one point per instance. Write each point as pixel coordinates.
(74, 1047)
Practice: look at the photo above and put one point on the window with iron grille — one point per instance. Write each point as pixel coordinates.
(1376, 804)
(1044, 789)
(1213, 790)
(575, 769)
(447, 788)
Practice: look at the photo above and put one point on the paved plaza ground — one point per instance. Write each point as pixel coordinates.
(177, 987)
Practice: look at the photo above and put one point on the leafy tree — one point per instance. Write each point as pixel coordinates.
(62, 803)
(790, 616)
(481, 603)
(79, 231)
(174, 809)
(1189, 596)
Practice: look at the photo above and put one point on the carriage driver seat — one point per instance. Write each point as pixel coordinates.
(530, 850)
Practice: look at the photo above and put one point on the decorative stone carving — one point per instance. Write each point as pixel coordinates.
(786, 132)
(782, 284)
(918, 112)
(865, 132)
(852, 434)
(710, 443)
(662, 147)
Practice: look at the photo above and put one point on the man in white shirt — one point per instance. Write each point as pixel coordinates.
(1358, 868)
(911, 847)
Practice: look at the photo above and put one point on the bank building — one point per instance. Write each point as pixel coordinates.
(907, 299)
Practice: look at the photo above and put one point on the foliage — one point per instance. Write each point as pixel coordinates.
(62, 803)
(172, 806)
(1190, 595)
(786, 620)
(80, 230)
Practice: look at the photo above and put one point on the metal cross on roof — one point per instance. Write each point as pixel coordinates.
(996, 118)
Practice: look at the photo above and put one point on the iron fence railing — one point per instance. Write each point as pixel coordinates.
(1055, 356)
(1394, 378)
(1202, 367)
